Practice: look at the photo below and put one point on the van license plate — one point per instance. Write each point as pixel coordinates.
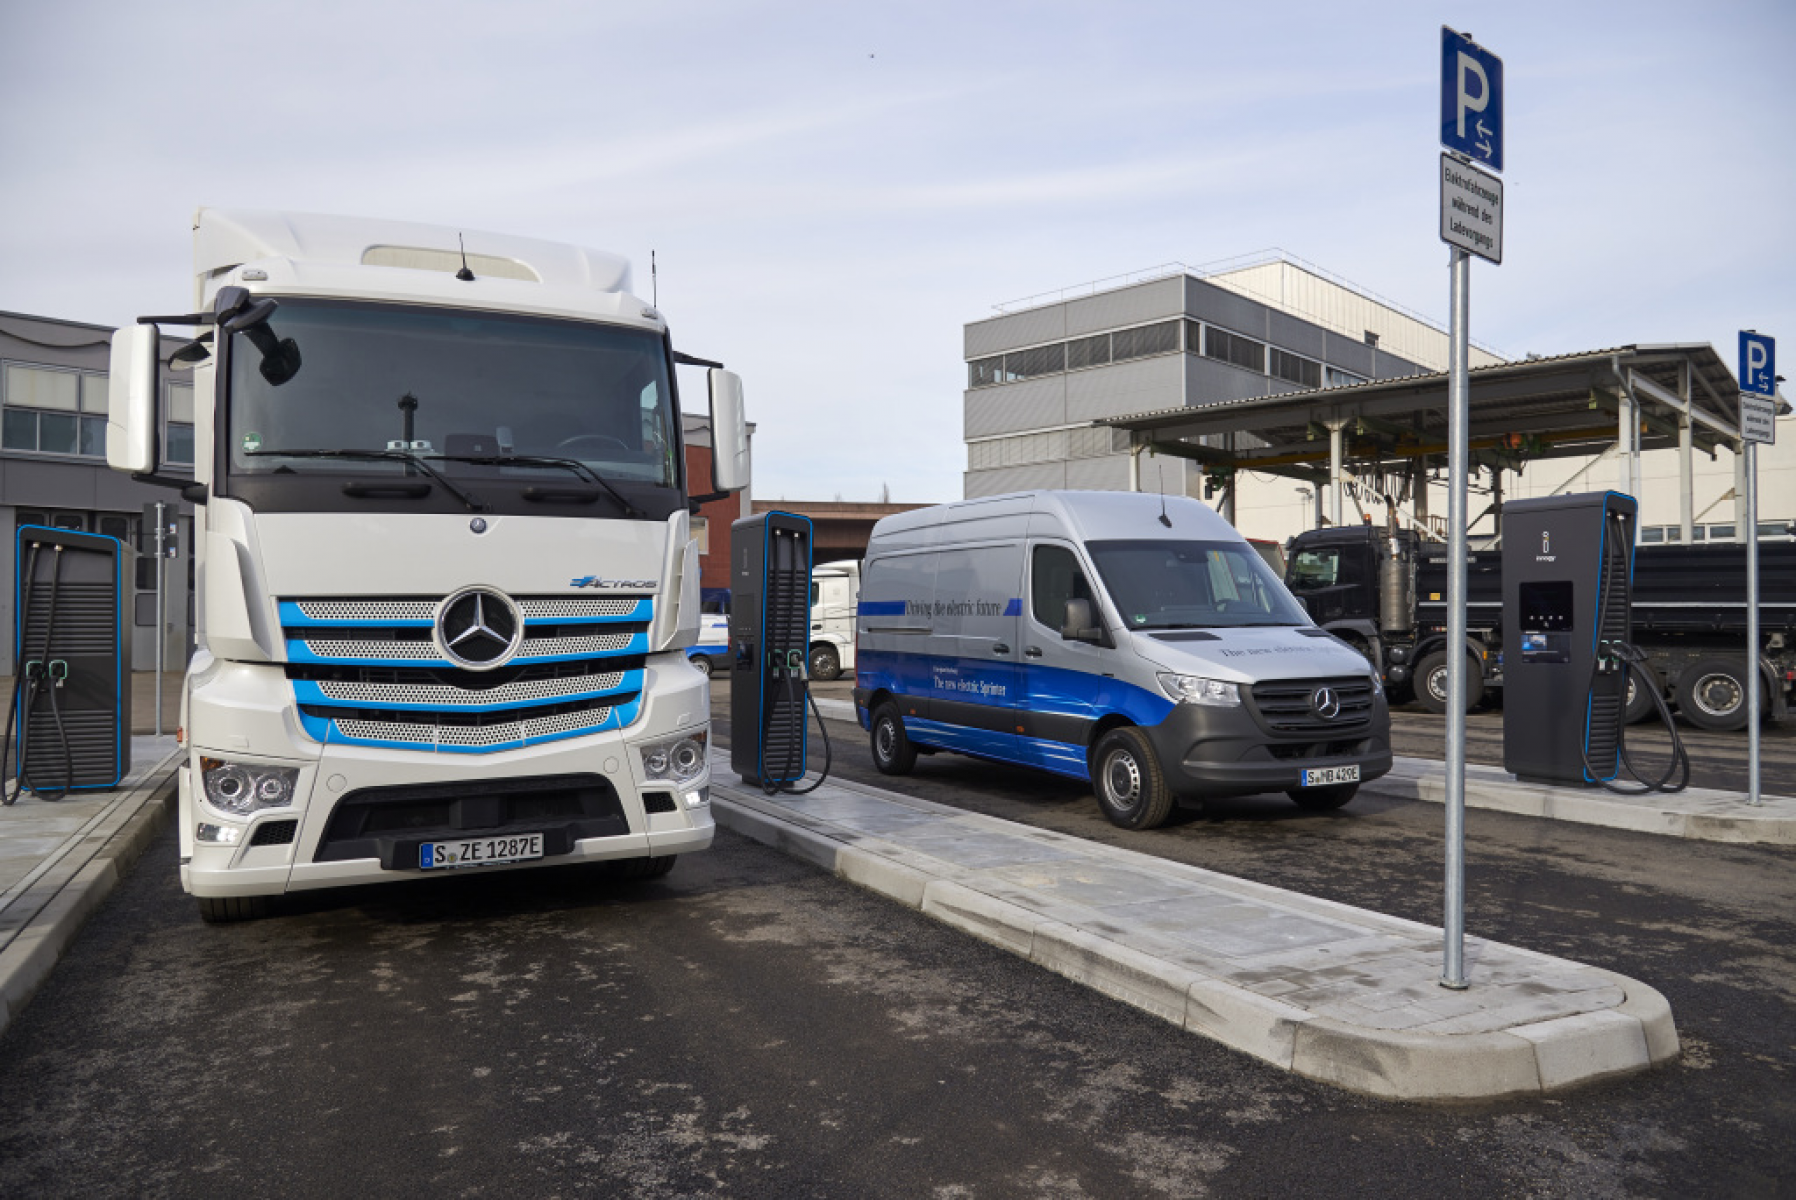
(480, 852)
(1322, 776)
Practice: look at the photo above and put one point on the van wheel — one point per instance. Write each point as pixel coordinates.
(1431, 682)
(826, 664)
(702, 662)
(1323, 799)
(1130, 786)
(892, 752)
(223, 910)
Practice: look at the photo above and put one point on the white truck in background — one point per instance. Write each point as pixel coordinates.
(445, 574)
(835, 591)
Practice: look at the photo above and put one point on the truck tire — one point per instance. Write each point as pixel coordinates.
(1431, 682)
(224, 910)
(1712, 694)
(1640, 698)
(1323, 799)
(633, 870)
(892, 752)
(1130, 786)
(826, 664)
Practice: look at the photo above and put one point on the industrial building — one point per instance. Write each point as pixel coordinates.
(1084, 388)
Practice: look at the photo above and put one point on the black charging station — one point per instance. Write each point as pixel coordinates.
(1568, 566)
(71, 703)
(770, 629)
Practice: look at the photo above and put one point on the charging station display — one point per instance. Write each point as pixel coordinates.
(71, 701)
(770, 623)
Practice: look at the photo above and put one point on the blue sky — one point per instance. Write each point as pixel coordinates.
(833, 190)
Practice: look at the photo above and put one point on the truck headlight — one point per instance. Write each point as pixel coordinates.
(681, 759)
(243, 788)
(1193, 689)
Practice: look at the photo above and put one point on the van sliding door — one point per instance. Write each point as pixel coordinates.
(972, 667)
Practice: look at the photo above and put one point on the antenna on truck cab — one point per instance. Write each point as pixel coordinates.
(465, 275)
(654, 283)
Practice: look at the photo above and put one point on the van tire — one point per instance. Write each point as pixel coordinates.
(892, 752)
(1130, 786)
(225, 910)
(1431, 682)
(1323, 799)
(701, 663)
(826, 664)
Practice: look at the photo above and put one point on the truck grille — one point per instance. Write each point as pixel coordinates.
(1288, 705)
(367, 671)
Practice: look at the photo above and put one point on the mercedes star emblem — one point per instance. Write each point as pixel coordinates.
(479, 629)
(1325, 703)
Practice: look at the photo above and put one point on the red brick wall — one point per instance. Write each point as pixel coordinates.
(714, 566)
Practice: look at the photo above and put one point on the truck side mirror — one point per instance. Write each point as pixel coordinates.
(131, 408)
(1078, 625)
(729, 433)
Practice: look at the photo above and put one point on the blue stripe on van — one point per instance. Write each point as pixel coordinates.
(881, 608)
(1014, 608)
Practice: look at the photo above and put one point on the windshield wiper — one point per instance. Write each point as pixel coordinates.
(542, 460)
(474, 503)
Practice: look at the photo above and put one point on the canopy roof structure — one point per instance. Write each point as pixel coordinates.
(1568, 405)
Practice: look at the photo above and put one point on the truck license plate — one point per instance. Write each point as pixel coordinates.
(1321, 776)
(480, 852)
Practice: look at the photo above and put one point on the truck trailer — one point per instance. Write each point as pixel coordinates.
(1384, 592)
(445, 577)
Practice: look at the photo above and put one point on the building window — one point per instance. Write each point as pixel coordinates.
(1144, 341)
(1234, 349)
(1339, 378)
(1717, 533)
(1292, 369)
(1652, 533)
(177, 437)
(983, 372)
(701, 533)
(1041, 360)
(1088, 352)
(52, 411)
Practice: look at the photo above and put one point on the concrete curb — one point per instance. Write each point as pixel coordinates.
(1698, 813)
(68, 895)
(1543, 1056)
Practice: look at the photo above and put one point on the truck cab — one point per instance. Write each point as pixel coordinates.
(835, 592)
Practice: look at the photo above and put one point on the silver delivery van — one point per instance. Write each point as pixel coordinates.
(1131, 640)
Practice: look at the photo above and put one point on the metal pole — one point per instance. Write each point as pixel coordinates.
(1335, 456)
(1752, 624)
(1135, 467)
(161, 558)
(1686, 479)
(1458, 416)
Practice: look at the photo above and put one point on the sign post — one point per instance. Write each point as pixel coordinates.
(1758, 423)
(1471, 223)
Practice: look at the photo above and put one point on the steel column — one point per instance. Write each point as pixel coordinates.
(1336, 464)
(1458, 418)
(1752, 623)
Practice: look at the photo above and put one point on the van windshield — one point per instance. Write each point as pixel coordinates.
(1193, 585)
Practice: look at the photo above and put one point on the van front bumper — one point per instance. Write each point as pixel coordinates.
(1221, 752)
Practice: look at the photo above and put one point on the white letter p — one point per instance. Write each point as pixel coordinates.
(1470, 66)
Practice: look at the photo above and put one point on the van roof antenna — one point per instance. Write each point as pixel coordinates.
(465, 275)
(1164, 519)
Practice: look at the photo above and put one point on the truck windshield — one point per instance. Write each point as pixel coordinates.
(468, 391)
(1192, 585)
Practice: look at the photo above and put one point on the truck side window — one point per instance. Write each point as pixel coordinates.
(1314, 569)
(1055, 578)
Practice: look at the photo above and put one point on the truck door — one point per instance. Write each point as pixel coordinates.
(1064, 683)
(972, 683)
(1333, 581)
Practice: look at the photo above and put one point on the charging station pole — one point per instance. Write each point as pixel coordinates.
(1471, 223)
(1758, 423)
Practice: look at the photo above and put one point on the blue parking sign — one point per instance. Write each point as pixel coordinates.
(1758, 363)
(1471, 100)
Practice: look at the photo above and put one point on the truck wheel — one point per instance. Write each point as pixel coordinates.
(826, 664)
(703, 663)
(1131, 787)
(223, 910)
(1712, 694)
(1431, 682)
(1640, 704)
(633, 870)
(1323, 799)
(892, 752)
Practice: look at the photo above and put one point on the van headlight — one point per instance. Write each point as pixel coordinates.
(244, 788)
(1377, 685)
(680, 759)
(1193, 689)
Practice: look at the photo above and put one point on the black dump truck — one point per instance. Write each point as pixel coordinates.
(1385, 592)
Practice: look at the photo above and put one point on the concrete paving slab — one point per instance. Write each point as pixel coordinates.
(1335, 993)
(1706, 814)
(59, 859)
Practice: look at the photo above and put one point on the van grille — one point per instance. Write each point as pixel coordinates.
(1288, 705)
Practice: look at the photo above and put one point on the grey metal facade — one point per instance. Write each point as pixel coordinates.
(1003, 417)
(70, 486)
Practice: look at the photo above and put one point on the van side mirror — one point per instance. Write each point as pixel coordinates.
(131, 408)
(1079, 625)
(729, 433)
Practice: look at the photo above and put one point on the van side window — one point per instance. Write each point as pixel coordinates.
(1055, 578)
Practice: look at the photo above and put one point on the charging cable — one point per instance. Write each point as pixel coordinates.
(793, 671)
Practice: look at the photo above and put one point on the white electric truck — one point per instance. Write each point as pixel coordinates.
(445, 580)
